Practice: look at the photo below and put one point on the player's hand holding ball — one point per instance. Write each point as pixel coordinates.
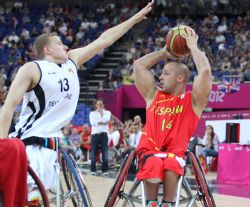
(180, 40)
(191, 38)
(168, 53)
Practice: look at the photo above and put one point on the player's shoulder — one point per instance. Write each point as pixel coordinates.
(29, 67)
(29, 64)
(186, 95)
(29, 70)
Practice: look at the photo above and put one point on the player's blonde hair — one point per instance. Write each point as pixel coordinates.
(41, 41)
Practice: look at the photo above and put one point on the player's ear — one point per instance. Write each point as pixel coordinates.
(181, 78)
(46, 50)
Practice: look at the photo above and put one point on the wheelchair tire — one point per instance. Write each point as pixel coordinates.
(120, 179)
(73, 182)
(204, 195)
(87, 195)
(38, 183)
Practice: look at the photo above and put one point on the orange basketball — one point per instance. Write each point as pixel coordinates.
(175, 43)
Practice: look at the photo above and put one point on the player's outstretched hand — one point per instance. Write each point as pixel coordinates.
(143, 12)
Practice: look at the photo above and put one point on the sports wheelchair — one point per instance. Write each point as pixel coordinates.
(200, 195)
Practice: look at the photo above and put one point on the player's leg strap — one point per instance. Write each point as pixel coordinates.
(46, 142)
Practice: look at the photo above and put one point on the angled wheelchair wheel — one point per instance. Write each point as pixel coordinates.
(204, 195)
(39, 188)
(117, 189)
(87, 195)
(76, 192)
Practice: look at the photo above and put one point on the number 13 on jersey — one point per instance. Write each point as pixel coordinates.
(64, 84)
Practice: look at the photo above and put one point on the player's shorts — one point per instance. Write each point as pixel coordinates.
(42, 160)
(152, 168)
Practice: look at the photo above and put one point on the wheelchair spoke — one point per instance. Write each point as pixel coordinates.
(73, 193)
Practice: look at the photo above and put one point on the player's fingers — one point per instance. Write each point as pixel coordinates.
(184, 34)
(148, 8)
(193, 33)
(189, 31)
(149, 4)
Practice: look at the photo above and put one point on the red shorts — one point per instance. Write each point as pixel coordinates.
(13, 172)
(154, 167)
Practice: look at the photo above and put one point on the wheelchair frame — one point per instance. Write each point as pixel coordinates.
(200, 195)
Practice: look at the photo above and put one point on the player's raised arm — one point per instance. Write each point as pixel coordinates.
(81, 55)
(202, 85)
(144, 79)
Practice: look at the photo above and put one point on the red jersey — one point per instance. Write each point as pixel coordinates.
(171, 121)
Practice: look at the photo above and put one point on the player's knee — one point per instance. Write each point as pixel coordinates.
(153, 180)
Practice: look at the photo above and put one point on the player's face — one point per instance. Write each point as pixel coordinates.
(168, 78)
(57, 50)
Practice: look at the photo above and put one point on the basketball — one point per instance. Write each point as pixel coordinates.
(175, 43)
